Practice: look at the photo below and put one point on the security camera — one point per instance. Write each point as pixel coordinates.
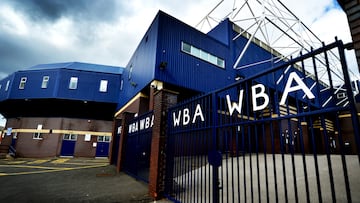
(153, 84)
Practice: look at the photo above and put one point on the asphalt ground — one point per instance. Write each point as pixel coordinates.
(67, 180)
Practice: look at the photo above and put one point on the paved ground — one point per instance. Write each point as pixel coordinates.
(67, 180)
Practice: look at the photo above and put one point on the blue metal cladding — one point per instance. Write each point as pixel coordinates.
(80, 66)
(221, 32)
(183, 69)
(88, 87)
(6, 85)
(32, 88)
(139, 71)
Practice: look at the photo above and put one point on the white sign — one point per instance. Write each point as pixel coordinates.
(87, 137)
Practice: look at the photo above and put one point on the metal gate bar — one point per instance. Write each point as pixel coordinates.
(222, 149)
(138, 146)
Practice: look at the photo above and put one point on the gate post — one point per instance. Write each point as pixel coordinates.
(215, 157)
(126, 116)
(163, 99)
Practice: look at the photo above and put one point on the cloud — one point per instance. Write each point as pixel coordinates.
(53, 10)
(108, 31)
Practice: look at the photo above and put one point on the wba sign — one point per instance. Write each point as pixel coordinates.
(141, 124)
(294, 83)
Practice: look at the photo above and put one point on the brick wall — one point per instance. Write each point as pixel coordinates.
(163, 99)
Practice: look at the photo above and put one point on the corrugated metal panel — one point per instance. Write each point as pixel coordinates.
(5, 89)
(185, 70)
(80, 66)
(88, 86)
(58, 85)
(139, 72)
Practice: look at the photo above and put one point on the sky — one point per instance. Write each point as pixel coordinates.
(107, 31)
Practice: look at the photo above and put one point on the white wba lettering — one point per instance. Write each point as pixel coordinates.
(185, 115)
(293, 77)
(142, 124)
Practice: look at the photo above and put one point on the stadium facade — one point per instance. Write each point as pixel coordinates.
(87, 110)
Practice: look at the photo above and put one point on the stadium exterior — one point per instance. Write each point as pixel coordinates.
(172, 63)
(62, 109)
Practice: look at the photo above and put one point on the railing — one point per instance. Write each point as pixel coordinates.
(278, 136)
(137, 146)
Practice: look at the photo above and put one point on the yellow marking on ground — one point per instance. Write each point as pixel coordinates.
(16, 162)
(78, 163)
(33, 167)
(59, 161)
(52, 169)
(40, 161)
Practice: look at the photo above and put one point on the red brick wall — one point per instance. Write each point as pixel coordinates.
(50, 145)
(163, 99)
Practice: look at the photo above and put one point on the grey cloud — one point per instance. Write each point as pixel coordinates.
(52, 10)
(18, 53)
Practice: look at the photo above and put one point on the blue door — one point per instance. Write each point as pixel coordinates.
(68, 145)
(102, 147)
(12, 149)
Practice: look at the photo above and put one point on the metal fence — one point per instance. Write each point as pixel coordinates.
(137, 146)
(282, 135)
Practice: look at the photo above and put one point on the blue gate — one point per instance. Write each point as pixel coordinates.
(137, 146)
(282, 135)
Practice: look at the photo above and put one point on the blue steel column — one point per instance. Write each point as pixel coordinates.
(214, 158)
(354, 114)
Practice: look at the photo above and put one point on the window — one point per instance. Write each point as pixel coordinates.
(45, 82)
(104, 138)
(73, 83)
(71, 137)
(7, 85)
(186, 48)
(130, 72)
(121, 84)
(103, 86)
(22, 83)
(201, 54)
(37, 136)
